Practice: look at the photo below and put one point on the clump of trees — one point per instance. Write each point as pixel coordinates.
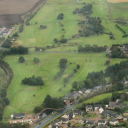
(36, 60)
(116, 52)
(91, 27)
(7, 43)
(85, 10)
(60, 16)
(33, 81)
(62, 66)
(21, 59)
(50, 102)
(62, 40)
(89, 48)
(21, 28)
(43, 26)
(18, 50)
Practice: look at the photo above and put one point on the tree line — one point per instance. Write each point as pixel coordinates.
(89, 48)
(3, 100)
(49, 102)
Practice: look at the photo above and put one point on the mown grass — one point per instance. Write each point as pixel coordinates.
(119, 10)
(21, 96)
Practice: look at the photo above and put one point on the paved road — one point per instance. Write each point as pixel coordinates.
(53, 116)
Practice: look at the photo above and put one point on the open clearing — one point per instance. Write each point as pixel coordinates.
(21, 96)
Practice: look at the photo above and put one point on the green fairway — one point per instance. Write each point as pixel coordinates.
(33, 36)
(21, 96)
(119, 10)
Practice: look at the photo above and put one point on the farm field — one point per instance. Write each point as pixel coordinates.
(21, 96)
(12, 10)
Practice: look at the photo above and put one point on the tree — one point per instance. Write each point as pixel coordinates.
(43, 26)
(36, 60)
(62, 63)
(21, 59)
(78, 66)
(37, 109)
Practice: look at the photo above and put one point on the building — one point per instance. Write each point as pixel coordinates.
(102, 122)
(97, 107)
(114, 122)
(89, 108)
(18, 116)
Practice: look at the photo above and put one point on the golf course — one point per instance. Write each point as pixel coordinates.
(21, 96)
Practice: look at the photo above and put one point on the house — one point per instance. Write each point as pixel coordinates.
(101, 110)
(125, 118)
(114, 122)
(111, 105)
(18, 116)
(82, 121)
(89, 108)
(58, 122)
(102, 122)
(64, 120)
(90, 123)
(70, 115)
(74, 95)
(97, 107)
(52, 126)
(83, 90)
(77, 112)
(107, 113)
(88, 91)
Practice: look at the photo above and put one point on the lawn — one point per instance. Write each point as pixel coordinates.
(90, 115)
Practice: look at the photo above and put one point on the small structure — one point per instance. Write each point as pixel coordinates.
(18, 116)
(77, 112)
(90, 123)
(113, 122)
(89, 108)
(102, 122)
(97, 107)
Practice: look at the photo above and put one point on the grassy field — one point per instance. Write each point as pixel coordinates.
(98, 98)
(118, 10)
(33, 36)
(21, 96)
(3, 77)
